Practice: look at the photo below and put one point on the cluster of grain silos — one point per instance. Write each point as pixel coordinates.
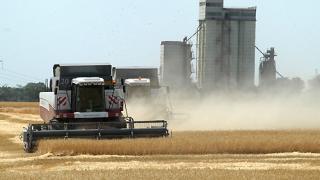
(225, 50)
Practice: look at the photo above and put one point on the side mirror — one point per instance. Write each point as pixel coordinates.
(56, 91)
(114, 71)
(123, 85)
(50, 86)
(122, 81)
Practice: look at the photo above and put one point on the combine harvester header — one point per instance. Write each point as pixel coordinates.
(85, 101)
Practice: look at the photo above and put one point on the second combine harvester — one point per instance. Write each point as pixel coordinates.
(85, 101)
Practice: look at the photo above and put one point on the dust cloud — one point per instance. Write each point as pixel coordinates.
(233, 111)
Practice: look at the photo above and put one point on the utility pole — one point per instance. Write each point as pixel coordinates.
(1, 68)
(47, 84)
(1, 64)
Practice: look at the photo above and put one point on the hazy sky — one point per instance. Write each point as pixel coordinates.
(35, 34)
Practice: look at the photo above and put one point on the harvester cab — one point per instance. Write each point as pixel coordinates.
(138, 88)
(87, 95)
(85, 101)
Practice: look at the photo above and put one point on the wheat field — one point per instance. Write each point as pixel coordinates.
(254, 154)
(182, 143)
(20, 107)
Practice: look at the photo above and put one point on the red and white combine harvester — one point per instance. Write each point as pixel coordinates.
(85, 102)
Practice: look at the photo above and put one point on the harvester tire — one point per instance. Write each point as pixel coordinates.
(27, 147)
(123, 123)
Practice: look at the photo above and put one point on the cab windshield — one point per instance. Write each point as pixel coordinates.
(90, 99)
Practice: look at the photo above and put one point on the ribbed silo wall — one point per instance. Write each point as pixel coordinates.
(175, 68)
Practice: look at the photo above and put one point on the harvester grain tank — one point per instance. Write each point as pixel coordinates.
(136, 72)
(138, 88)
(85, 101)
(143, 86)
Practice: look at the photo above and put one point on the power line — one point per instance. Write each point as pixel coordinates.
(3, 77)
(22, 75)
(10, 75)
(14, 80)
(26, 77)
(17, 76)
(1, 64)
(10, 78)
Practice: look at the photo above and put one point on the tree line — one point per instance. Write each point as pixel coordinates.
(315, 83)
(30, 92)
(27, 93)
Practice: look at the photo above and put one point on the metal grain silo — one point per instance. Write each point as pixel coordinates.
(175, 64)
(226, 46)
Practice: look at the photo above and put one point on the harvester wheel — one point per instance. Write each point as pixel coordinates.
(27, 147)
(123, 123)
(118, 123)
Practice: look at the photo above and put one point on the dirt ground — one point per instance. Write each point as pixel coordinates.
(15, 164)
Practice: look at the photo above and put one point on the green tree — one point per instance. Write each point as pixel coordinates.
(315, 83)
(29, 92)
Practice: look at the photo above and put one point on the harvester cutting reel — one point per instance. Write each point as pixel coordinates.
(98, 130)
